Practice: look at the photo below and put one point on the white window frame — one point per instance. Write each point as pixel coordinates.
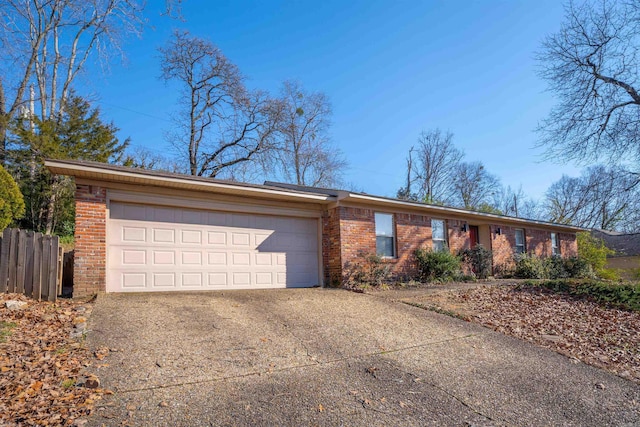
(443, 240)
(522, 248)
(393, 235)
(555, 244)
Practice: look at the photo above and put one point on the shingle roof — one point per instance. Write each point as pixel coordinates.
(623, 244)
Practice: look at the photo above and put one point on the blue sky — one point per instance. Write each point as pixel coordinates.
(390, 68)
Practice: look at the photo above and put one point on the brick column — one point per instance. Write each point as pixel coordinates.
(331, 248)
(90, 260)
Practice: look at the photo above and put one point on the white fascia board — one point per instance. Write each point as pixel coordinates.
(434, 208)
(100, 174)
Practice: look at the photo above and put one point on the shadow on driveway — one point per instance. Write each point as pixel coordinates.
(332, 357)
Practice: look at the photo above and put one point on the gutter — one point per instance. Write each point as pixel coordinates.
(363, 198)
(94, 170)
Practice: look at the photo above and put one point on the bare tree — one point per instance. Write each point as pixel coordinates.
(591, 64)
(474, 187)
(47, 43)
(601, 197)
(220, 123)
(512, 202)
(305, 152)
(432, 169)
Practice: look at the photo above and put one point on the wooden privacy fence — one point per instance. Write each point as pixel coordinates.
(30, 264)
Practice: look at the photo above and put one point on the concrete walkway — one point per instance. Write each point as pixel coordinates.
(332, 357)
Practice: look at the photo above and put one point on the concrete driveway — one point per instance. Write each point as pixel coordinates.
(332, 357)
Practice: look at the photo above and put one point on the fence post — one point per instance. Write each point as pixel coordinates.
(4, 259)
(60, 267)
(22, 254)
(13, 259)
(28, 264)
(44, 267)
(53, 272)
(37, 270)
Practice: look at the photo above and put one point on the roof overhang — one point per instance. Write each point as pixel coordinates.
(444, 211)
(106, 173)
(95, 171)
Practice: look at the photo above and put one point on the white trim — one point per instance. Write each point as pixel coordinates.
(462, 212)
(98, 173)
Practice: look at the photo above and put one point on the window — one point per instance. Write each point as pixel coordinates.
(520, 246)
(555, 244)
(385, 245)
(438, 235)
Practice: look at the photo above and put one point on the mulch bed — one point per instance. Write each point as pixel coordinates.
(605, 337)
(41, 365)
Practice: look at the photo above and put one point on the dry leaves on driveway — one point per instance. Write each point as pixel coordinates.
(605, 337)
(40, 364)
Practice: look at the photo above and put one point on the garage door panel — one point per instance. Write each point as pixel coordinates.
(189, 280)
(217, 238)
(163, 235)
(163, 258)
(164, 280)
(175, 248)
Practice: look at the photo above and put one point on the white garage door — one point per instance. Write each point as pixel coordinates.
(154, 248)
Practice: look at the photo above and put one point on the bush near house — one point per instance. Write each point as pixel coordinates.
(366, 270)
(594, 251)
(533, 267)
(437, 265)
(479, 259)
(622, 295)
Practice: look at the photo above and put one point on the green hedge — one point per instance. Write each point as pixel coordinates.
(437, 265)
(533, 267)
(623, 295)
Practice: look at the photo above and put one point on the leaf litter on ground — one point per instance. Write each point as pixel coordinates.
(601, 336)
(41, 365)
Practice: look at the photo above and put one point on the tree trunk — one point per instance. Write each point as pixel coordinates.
(51, 207)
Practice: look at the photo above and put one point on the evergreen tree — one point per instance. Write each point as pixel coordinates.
(77, 133)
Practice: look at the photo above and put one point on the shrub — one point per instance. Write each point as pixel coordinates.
(609, 274)
(594, 251)
(624, 295)
(366, 270)
(578, 268)
(479, 260)
(11, 200)
(529, 267)
(554, 268)
(533, 267)
(437, 265)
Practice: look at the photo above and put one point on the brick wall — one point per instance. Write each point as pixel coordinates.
(90, 245)
(351, 235)
(412, 232)
(458, 239)
(357, 233)
(331, 254)
(568, 244)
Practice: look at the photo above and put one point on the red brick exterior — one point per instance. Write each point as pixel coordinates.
(331, 254)
(350, 235)
(90, 240)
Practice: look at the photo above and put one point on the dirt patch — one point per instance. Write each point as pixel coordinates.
(42, 364)
(604, 337)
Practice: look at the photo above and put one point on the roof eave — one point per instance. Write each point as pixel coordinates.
(448, 210)
(97, 173)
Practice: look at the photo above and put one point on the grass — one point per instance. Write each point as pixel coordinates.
(624, 295)
(5, 329)
(67, 242)
(68, 383)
